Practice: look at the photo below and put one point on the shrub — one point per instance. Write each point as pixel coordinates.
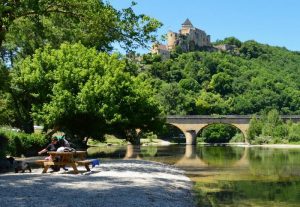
(238, 137)
(294, 132)
(218, 133)
(255, 128)
(19, 143)
(262, 140)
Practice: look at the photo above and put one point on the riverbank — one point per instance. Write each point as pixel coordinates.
(112, 184)
(281, 146)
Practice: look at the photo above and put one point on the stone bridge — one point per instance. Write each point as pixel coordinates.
(190, 125)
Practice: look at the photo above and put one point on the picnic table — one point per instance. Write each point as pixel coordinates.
(66, 159)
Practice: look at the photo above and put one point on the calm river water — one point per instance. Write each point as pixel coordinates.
(226, 176)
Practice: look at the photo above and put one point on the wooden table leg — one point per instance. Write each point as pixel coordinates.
(74, 168)
(46, 167)
(87, 167)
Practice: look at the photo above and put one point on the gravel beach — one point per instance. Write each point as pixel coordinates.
(112, 184)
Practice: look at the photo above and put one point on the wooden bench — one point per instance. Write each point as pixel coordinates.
(65, 159)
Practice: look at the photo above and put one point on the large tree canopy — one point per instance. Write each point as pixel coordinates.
(26, 25)
(85, 93)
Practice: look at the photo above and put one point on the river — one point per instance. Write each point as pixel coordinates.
(226, 175)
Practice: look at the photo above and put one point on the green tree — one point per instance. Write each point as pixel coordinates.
(85, 93)
(221, 83)
(174, 100)
(255, 128)
(210, 103)
(190, 84)
(26, 25)
(252, 49)
(274, 126)
(294, 132)
(230, 41)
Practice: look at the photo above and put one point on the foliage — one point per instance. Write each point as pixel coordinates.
(85, 93)
(270, 128)
(210, 103)
(218, 133)
(255, 128)
(294, 132)
(238, 137)
(19, 143)
(148, 137)
(229, 41)
(3, 77)
(6, 112)
(253, 79)
(28, 25)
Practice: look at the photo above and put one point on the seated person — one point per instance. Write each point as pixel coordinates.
(53, 146)
(63, 142)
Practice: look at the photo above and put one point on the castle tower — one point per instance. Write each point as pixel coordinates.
(186, 27)
(187, 24)
(172, 39)
(188, 39)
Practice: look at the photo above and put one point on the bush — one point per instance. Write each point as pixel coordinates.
(270, 129)
(218, 133)
(239, 137)
(262, 140)
(19, 143)
(149, 136)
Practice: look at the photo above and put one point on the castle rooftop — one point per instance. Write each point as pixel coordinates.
(187, 22)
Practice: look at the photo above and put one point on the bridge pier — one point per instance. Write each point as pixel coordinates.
(190, 137)
(190, 151)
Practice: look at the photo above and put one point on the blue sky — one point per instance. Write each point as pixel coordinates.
(273, 22)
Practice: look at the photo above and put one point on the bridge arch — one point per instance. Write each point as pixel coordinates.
(236, 126)
(191, 131)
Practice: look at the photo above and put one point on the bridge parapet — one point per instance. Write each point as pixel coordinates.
(194, 123)
(227, 119)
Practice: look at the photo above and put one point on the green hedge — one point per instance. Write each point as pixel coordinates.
(18, 143)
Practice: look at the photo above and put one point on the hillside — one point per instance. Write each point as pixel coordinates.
(249, 79)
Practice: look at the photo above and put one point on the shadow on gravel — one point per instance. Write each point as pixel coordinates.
(95, 189)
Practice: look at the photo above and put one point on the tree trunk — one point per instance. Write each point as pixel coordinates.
(28, 126)
(132, 137)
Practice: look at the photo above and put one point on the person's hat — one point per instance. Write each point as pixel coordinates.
(59, 137)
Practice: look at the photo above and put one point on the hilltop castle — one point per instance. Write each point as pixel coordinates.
(188, 39)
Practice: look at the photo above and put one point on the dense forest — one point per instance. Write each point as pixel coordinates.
(250, 79)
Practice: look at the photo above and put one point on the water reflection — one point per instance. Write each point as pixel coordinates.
(133, 152)
(219, 156)
(226, 176)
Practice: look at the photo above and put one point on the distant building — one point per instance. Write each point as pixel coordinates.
(225, 47)
(188, 39)
(160, 49)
